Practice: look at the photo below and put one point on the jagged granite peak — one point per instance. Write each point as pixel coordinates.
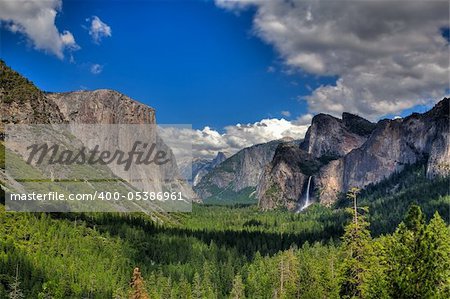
(330, 137)
(102, 106)
(241, 170)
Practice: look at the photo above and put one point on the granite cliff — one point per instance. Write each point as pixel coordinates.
(239, 173)
(353, 152)
(193, 170)
(23, 103)
(329, 137)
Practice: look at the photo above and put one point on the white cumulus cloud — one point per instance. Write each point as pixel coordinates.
(207, 142)
(388, 55)
(98, 29)
(36, 20)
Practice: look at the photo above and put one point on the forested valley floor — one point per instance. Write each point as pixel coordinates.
(397, 247)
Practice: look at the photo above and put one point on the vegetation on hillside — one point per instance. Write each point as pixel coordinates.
(389, 200)
(93, 256)
(14, 87)
(238, 251)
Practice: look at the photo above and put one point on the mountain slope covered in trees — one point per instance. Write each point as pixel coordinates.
(395, 246)
(275, 254)
(219, 251)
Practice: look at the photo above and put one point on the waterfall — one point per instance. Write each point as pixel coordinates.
(307, 202)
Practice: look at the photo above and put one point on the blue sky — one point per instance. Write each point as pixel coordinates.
(268, 65)
(193, 61)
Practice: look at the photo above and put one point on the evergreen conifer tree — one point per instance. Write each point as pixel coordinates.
(138, 286)
(237, 291)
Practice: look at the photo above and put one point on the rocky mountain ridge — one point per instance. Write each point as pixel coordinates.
(330, 137)
(352, 152)
(102, 106)
(239, 172)
(193, 170)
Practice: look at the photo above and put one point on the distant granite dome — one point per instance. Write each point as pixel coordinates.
(287, 139)
(193, 170)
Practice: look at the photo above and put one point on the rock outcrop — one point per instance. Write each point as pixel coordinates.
(330, 138)
(240, 171)
(24, 103)
(283, 179)
(193, 170)
(327, 139)
(353, 152)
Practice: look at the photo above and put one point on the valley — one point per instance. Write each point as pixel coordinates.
(274, 220)
(216, 251)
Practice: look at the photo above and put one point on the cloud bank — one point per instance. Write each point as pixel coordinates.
(388, 55)
(36, 20)
(206, 143)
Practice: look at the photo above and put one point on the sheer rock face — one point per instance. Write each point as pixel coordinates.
(282, 181)
(111, 107)
(24, 103)
(238, 172)
(439, 153)
(102, 106)
(396, 143)
(327, 139)
(362, 153)
(332, 137)
(330, 182)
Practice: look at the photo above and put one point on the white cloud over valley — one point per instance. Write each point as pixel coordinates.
(206, 143)
(35, 19)
(388, 55)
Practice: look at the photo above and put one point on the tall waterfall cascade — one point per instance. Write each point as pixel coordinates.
(307, 202)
